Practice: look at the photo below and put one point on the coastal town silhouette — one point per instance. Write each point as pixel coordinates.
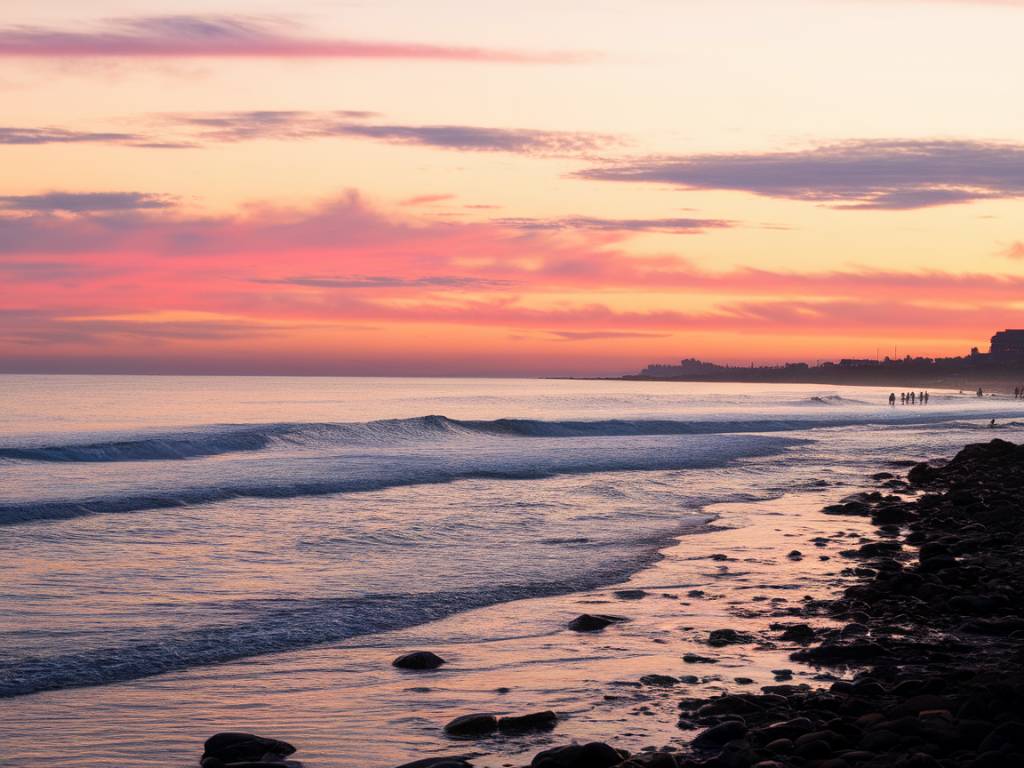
(1002, 365)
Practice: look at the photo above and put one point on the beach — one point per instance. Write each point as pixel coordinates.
(679, 552)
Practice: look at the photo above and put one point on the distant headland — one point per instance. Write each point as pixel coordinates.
(1001, 367)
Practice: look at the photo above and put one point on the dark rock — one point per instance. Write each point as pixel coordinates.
(728, 731)
(234, 747)
(693, 658)
(472, 725)
(879, 740)
(593, 622)
(419, 660)
(661, 681)
(722, 637)
(631, 594)
(780, 746)
(592, 755)
(920, 474)
(651, 760)
(537, 721)
(837, 653)
(457, 761)
(798, 633)
(813, 750)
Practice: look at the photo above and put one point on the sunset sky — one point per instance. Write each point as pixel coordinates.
(543, 187)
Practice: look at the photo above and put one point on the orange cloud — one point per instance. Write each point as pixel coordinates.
(89, 280)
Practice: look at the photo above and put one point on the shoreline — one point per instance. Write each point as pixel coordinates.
(611, 686)
(333, 702)
(927, 668)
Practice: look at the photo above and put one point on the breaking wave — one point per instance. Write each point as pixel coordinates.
(218, 440)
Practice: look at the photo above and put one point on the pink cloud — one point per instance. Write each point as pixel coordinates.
(426, 200)
(1015, 251)
(234, 37)
(100, 282)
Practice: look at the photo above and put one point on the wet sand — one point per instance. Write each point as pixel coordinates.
(344, 705)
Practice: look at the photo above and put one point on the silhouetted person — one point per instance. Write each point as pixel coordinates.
(913, 399)
(992, 424)
(892, 399)
(903, 398)
(982, 394)
(927, 397)
(920, 398)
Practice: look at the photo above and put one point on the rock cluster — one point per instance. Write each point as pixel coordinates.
(933, 630)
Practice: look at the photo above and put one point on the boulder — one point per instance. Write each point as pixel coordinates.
(593, 622)
(237, 747)
(536, 721)
(457, 761)
(720, 735)
(721, 637)
(798, 633)
(631, 594)
(660, 681)
(694, 658)
(593, 755)
(418, 660)
(472, 725)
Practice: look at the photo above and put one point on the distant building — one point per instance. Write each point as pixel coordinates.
(1006, 358)
(1008, 344)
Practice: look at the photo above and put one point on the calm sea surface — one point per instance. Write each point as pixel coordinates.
(161, 525)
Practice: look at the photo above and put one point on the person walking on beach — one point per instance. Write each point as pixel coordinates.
(913, 399)
(980, 393)
(892, 399)
(920, 398)
(927, 397)
(903, 398)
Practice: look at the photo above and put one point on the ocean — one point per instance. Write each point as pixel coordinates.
(187, 554)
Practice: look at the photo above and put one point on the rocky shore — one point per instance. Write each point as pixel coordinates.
(921, 660)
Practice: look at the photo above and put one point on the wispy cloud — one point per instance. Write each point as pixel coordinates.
(416, 200)
(194, 131)
(248, 126)
(263, 124)
(235, 36)
(855, 175)
(596, 335)
(389, 281)
(479, 139)
(27, 136)
(80, 202)
(675, 226)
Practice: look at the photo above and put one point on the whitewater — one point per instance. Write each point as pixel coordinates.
(160, 528)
